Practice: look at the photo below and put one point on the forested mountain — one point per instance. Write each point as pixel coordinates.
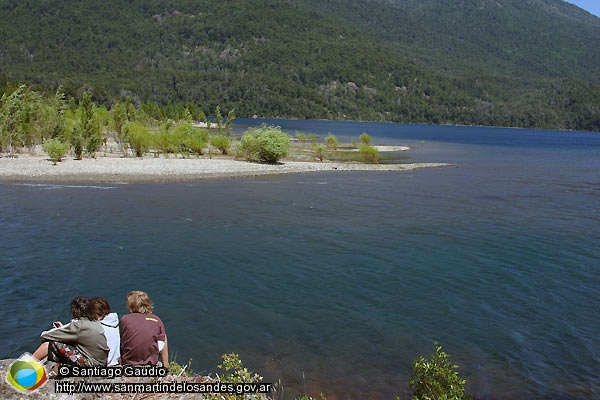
(551, 38)
(531, 63)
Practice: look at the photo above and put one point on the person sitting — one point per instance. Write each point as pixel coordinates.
(110, 324)
(143, 336)
(80, 342)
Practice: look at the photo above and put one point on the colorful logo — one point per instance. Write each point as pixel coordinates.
(26, 374)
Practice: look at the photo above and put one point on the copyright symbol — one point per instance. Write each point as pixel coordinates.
(64, 370)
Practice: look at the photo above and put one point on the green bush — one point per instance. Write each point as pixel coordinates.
(184, 138)
(436, 379)
(264, 143)
(365, 138)
(369, 153)
(234, 372)
(319, 150)
(77, 142)
(181, 138)
(221, 142)
(189, 138)
(175, 368)
(331, 142)
(138, 137)
(55, 149)
(162, 143)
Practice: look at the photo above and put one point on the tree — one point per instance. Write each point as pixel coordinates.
(14, 119)
(436, 379)
(89, 126)
(76, 139)
(118, 119)
(219, 120)
(264, 143)
(60, 104)
(228, 121)
(202, 116)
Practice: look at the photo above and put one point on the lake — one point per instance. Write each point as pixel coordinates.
(336, 282)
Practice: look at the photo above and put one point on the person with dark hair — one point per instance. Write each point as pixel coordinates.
(143, 336)
(110, 324)
(80, 342)
(78, 308)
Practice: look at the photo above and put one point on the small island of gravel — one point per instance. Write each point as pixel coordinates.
(113, 166)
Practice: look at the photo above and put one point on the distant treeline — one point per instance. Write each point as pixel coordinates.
(278, 58)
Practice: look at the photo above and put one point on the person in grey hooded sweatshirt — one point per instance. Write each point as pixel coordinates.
(80, 342)
(110, 323)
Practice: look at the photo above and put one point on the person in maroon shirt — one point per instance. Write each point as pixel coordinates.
(143, 336)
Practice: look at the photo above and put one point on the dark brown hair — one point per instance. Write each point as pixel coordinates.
(79, 306)
(98, 308)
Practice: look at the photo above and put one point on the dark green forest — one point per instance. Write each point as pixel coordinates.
(533, 64)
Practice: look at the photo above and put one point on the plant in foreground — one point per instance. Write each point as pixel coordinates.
(180, 370)
(236, 373)
(436, 379)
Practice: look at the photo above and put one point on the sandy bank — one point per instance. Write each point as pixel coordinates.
(148, 169)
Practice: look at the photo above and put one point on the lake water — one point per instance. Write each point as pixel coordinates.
(336, 282)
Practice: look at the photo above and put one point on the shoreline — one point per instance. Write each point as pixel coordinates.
(148, 169)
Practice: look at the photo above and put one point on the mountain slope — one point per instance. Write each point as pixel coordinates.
(506, 62)
(540, 37)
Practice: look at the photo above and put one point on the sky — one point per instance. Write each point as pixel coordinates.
(592, 6)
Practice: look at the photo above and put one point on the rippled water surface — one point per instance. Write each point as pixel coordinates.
(336, 282)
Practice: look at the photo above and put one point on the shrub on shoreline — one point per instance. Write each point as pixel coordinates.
(138, 137)
(55, 149)
(369, 153)
(331, 141)
(264, 143)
